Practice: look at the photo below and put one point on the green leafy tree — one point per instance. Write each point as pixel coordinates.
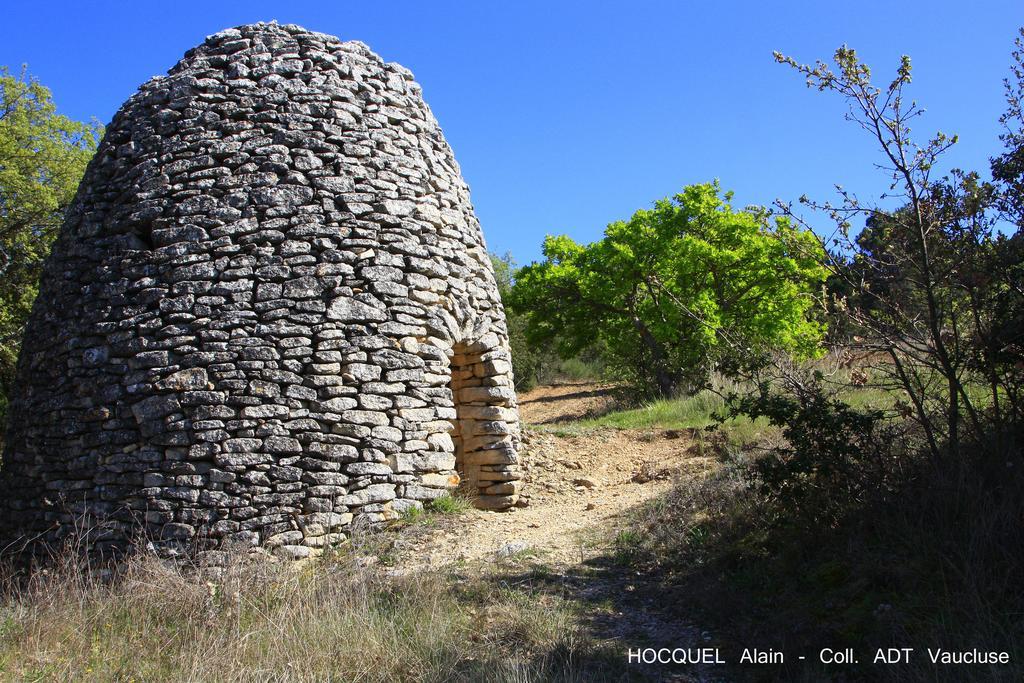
(42, 158)
(677, 289)
(532, 364)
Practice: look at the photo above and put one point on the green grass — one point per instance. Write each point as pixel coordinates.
(704, 408)
(689, 412)
(449, 505)
(678, 413)
(869, 398)
(446, 505)
(883, 392)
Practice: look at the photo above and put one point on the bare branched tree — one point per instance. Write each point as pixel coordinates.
(919, 279)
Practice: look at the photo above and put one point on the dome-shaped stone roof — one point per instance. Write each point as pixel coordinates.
(269, 314)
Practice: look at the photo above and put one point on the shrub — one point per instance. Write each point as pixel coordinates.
(831, 455)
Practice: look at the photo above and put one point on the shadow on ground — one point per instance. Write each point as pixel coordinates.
(622, 610)
(560, 403)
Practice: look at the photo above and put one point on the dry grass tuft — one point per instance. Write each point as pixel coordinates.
(341, 617)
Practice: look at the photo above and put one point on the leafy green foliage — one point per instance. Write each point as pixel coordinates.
(42, 158)
(831, 455)
(677, 289)
(531, 363)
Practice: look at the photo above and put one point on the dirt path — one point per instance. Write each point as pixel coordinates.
(580, 487)
(576, 485)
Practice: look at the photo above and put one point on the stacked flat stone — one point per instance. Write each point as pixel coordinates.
(269, 315)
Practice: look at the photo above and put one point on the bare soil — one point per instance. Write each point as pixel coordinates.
(579, 488)
(566, 402)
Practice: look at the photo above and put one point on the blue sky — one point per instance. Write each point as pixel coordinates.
(566, 116)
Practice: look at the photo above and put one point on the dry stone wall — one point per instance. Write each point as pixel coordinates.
(270, 313)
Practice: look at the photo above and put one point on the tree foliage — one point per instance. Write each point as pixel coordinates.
(1008, 167)
(1002, 353)
(665, 293)
(531, 363)
(931, 282)
(831, 457)
(42, 158)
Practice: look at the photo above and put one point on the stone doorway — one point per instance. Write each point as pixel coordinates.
(485, 430)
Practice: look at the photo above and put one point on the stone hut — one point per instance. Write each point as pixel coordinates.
(269, 315)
